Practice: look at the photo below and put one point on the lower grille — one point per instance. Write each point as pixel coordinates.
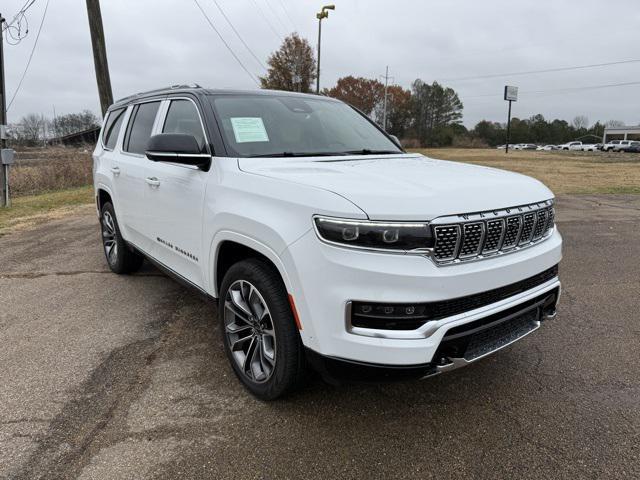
(496, 337)
(412, 316)
(480, 337)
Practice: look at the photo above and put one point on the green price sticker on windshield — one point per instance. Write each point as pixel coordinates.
(249, 129)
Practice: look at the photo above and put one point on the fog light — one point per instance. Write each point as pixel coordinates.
(389, 316)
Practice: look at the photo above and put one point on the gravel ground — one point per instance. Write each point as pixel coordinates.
(124, 377)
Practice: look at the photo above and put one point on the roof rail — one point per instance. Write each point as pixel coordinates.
(186, 85)
(158, 90)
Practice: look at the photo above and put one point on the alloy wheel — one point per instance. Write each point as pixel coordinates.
(249, 331)
(109, 239)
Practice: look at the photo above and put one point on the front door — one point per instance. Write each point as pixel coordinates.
(175, 198)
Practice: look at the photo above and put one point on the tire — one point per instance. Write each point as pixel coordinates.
(120, 257)
(258, 329)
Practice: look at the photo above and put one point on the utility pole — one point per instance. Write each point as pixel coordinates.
(386, 96)
(4, 169)
(99, 54)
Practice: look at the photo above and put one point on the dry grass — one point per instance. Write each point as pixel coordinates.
(563, 172)
(33, 209)
(40, 170)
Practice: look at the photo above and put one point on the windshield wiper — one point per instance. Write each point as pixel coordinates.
(366, 151)
(298, 154)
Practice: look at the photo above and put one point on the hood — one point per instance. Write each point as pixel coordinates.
(405, 187)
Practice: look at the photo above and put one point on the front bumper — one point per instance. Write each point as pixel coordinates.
(460, 347)
(324, 279)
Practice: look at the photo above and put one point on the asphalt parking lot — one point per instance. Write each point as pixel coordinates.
(124, 377)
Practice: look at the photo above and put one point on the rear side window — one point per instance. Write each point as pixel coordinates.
(140, 127)
(183, 117)
(112, 128)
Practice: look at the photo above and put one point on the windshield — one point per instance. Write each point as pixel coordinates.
(257, 125)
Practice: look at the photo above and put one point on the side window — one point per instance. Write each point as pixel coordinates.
(112, 128)
(183, 117)
(140, 127)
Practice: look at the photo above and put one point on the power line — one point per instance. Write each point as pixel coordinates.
(275, 14)
(286, 12)
(14, 27)
(548, 70)
(268, 22)
(35, 44)
(562, 90)
(213, 27)
(238, 35)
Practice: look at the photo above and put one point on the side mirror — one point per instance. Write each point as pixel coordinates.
(177, 148)
(397, 140)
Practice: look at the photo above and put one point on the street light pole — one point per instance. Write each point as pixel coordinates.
(323, 14)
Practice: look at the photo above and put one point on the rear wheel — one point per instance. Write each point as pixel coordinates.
(259, 331)
(120, 257)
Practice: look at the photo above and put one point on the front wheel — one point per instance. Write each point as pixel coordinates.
(120, 257)
(259, 331)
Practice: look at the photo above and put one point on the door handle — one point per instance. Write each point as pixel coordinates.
(115, 171)
(153, 181)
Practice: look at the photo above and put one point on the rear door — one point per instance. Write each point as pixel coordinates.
(176, 199)
(132, 168)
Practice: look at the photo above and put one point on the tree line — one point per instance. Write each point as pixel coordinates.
(33, 129)
(426, 115)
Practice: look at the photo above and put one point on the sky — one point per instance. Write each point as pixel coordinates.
(155, 43)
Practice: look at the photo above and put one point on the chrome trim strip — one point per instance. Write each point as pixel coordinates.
(431, 327)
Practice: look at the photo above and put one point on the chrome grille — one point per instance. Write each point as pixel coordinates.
(529, 221)
(552, 218)
(514, 225)
(447, 240)
(472, 236)
(494, 235)
(479, 235)
(541, 224)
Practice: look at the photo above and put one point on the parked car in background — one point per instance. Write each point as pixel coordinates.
(571, 146)
(547, 148)
(614, 145)
(525, 146)
(589, 147)
(622, 146)
(632, 147)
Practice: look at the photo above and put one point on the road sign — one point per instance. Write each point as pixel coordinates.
(511, 94)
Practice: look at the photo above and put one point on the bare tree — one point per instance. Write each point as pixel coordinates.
(581, 122)
(31, 129)
(614, 124)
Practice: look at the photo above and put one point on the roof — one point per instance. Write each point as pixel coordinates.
(197, 89)
(627, 129)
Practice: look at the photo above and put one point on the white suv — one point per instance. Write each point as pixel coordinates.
(325, 244)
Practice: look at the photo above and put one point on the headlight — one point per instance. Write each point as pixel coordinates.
(398, 236)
